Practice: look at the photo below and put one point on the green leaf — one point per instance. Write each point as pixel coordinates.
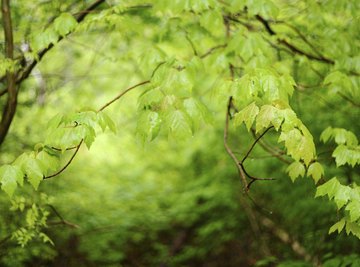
(212, 21)
(106, 121)
(65, 24)
(50, 161)
(326, 134)
(353, 228)
(316, 171)
(341, 155)
(337, 226)
(9, 177)
(338, 81)
(179, 124)
(32, 167)
(329, 188)
(295, 170)
(43, 39)
(34, 171)
(148, 125)
(46, 239)
(342, 196)
(247, 115)
(197, 111)
(354, 210)
(267, 115)
(298, 145)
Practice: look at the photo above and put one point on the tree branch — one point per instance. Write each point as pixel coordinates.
(62, 220)
(80, 17)
(240, 164)
(211, 50)
(67, 164)
(10, 106)
(241, 172)
(293, 48)
(4, 240)
(122, 94)
(16, 79)
(271, 150)
(99, 110)
(253, 145)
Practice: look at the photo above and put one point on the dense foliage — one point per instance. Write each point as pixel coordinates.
(180, 133)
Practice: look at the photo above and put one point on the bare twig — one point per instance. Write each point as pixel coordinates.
(286, 238)
(3, 92)
(240, 164)
(191, 44)
(211, 50)
(4, 240)
(349, 99)
(67, 164)
(241, 172)
(253, 145)
(292, 47)
(62, 220)
(122, 94)
(276, 153)
(302, 36)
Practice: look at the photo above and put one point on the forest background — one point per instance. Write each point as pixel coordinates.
(180, 133)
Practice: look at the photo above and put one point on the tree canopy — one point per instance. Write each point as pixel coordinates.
(180, 133)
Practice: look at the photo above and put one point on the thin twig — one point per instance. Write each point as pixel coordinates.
(99, 110)
(3, 92)
(292, 47)
(271, 150)
(253, 145)
(302, 36)
(211, 50)
(62, 220)
(228, 149)
(191, 44)
(4, 240)
(122, 94)
(67, 164)
(59, 149)
(348, 99)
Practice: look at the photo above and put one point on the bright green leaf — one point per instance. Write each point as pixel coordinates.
(295, 170)
(316, 171)
(247, 115)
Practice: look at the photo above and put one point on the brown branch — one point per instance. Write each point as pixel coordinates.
(99, 110)
(67, 164)
(348, 99)
(4, 240)
(302, 36)
(80, 17)
(297, 50)
(211, 50)
(271, 150)
(240, 164)
(62, 220)
(59, 149)
(253, 145)
(122, 94)
(241, 172)
(286, 238)
(10, 106)
(191, 44)
(293, 48)
(3, 92)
